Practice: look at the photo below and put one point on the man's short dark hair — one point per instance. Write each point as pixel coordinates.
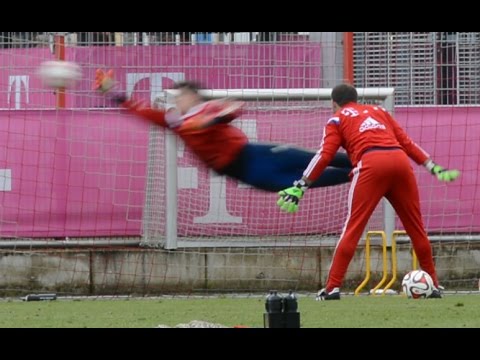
(343, 94)
(187, 85)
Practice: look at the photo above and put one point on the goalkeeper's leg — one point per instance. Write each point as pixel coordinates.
(295, 158)
(273, 167)
(405, 200)
(367, 188)
(341, 160)
(293, 161)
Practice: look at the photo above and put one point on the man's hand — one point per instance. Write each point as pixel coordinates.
(445, 174)
(224, 111)
(216, 112)
(104, 81)
(290, 197)
(440, 172)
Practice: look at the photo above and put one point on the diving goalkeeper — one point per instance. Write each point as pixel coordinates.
(205, 128)
(380, 150)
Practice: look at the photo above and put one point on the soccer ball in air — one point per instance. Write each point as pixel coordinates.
(417, 284)
(59, 74)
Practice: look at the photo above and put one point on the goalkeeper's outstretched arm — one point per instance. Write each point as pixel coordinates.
(213, 112)
(420, 156)
(222, 112)
(105, 84)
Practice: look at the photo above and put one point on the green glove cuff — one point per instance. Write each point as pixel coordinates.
(430, 165)
(301, 184)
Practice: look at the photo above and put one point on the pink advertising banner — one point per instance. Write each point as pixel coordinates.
(72, 173)
(147, 70)
(20, 87)
(82, 173)
(451, 135)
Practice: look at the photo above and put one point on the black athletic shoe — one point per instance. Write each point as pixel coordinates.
(436, 293)
(332, 295)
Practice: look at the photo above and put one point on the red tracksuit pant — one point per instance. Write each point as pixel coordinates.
(381, 173)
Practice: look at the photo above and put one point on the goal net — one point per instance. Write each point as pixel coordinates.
(188, 205)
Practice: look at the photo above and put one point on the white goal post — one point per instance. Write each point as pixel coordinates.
(160, 218)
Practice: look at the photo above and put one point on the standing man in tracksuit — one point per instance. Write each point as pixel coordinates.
(379, 150)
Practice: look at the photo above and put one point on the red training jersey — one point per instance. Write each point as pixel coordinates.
(358, 128)
(217, 146)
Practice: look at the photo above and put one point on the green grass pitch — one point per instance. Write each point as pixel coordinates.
(350, 312)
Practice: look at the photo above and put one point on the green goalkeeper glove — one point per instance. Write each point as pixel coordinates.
(441, 173)
(290, 197)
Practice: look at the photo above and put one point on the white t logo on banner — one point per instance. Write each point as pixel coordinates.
(15, 85)
(156, 82)
(5, 180)
(217, 211)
